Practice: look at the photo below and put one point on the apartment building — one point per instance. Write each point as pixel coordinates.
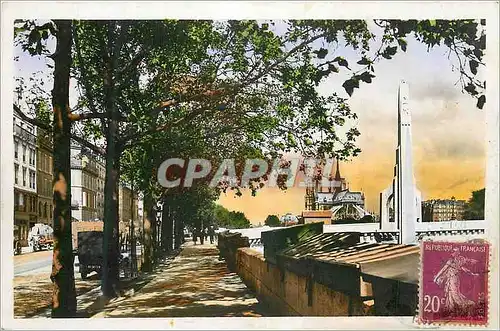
(84, 184)
(101, 176)
(45, 176)
(25, 181)
(443, 210)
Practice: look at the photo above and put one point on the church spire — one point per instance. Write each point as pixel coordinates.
(337, 173)
(338, 179)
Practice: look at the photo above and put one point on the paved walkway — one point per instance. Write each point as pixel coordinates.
(194, 284)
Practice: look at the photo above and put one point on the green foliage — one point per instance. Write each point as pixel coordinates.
(32, 35)
(465, 40)
(230, 219)
(272, 220)
(43, 112)
(474, 208)
(238, 89)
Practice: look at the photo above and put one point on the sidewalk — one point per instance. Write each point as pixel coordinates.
(194, 284)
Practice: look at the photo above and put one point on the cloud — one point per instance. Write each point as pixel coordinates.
(435, 89)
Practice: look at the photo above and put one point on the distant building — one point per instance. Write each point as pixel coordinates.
(125, 205)
(443, 210)
(337, 199)
(289, 219)
(313, 216)
(44, 176)
(25, 187)
(84, 184)
(101, 176)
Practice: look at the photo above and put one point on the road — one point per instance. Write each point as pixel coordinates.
(35, 263)
(33, 287)
(40, 263)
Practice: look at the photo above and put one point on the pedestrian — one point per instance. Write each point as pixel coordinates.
(211, 233)
(201, 235)
(194, 235)
(205, 233)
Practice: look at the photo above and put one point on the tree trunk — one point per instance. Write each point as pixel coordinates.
(149, 224)
(62, 276)
(133, 253)
(111, 242)
(168, 228)
(154, 233)
(178, 232)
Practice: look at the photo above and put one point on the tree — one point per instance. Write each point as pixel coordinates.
(474, 208)
(64, 297)
(272, 220)
(230, 219)
(236, 78)
(235, 75)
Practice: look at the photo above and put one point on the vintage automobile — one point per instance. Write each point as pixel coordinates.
(90, 255)
(40, 237)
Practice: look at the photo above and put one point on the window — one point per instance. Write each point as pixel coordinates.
(16, 199)
(84, 203)
(24, 153)
(16, 173)
(33, 180)
(24, 176)
(16, 150)
(40, 209)
(21, 199)
(50, 211)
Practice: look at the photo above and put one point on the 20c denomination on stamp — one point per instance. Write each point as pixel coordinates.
(454, 283)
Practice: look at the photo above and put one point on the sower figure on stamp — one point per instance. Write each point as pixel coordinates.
(449, 277)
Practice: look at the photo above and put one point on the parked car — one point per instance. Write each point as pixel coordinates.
(90, 255)
(41, 237)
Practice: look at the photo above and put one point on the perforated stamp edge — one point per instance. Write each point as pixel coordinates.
(417, 320)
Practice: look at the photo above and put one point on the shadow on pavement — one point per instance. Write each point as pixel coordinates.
(195, 284)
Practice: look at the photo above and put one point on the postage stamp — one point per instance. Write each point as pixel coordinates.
(454, 283)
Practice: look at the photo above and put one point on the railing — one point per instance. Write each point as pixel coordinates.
(24, 134)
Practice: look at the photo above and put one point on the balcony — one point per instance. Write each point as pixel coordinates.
(75, 205)
(24, 134)
(88, 166)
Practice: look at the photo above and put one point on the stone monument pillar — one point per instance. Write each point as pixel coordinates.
(400, 203)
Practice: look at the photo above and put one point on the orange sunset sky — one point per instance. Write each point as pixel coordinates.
(449, 147)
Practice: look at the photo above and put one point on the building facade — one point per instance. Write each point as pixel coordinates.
(337, 198)
(443, 210)
(101, 176)
(25, 182)
(125, 198)
(44, 176)
(84, 184)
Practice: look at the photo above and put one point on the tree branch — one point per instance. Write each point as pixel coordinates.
(85, 116)
(84, 78)
(47, 127)
(132, 64)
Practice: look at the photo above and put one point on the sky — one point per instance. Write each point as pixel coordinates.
(449, 147)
